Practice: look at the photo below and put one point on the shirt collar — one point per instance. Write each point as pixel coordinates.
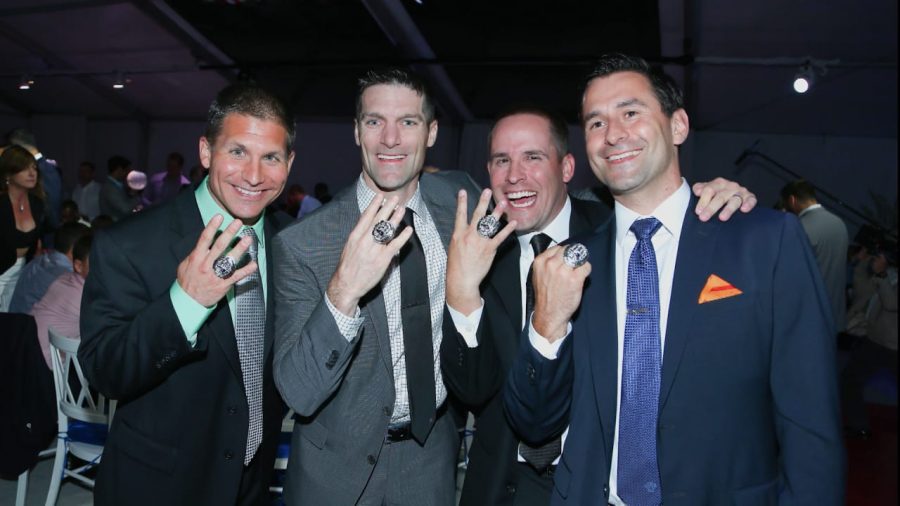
(670, 213)
(209, 208)
(558, 229)
(364, 196)
(810, 208)
(115, 181)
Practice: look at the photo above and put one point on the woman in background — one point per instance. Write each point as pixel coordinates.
(21, 216)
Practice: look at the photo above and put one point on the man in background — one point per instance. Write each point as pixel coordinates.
(827, 234)
(163, 186)
(42, 270)
(60, 307)
(87, 192)
(114, 199)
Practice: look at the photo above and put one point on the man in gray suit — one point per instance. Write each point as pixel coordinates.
(344, 350)
(828, 235)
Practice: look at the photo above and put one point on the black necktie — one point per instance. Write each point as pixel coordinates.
(415, 311)
(538, 457)
(539, 244)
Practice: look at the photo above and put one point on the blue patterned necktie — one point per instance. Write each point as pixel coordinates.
(638, 472)
(249, 332)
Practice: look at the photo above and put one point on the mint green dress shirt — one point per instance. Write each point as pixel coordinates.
(191, 314)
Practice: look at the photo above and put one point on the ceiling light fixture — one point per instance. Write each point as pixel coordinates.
(119, 83)
(804, 79)
(25, 83)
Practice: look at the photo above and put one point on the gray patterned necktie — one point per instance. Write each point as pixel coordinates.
(249, 331)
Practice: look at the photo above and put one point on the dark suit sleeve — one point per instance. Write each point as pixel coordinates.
(130, 340)
(803, 377)
(473, 375)
(538, 392)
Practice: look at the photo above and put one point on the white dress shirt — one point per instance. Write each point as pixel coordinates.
(665, 244)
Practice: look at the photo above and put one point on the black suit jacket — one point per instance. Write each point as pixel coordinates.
(179, 433)
(476, 375)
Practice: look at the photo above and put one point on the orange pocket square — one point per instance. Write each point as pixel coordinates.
(717, 288)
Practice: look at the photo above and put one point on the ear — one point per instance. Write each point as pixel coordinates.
(205, 152)
(290, 161)
(78, 266)
(680, 127)
(356, 131)
(432, 132)
(568, 167)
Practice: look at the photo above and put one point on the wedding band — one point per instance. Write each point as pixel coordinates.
(383, 232)
(575, 255)
(488, 226)
(223, 267)
(739, 198)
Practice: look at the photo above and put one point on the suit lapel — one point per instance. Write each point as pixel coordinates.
(695, 249)
(218, 328)
(600, 326)
(507, 283)
(270, 228)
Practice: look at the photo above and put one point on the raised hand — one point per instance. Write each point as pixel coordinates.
(195, 273)
(471, 254)
(364, 261)
(557, 292)
(722, 194)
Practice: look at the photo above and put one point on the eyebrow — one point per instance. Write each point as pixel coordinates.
(620, 105)
(376, 115)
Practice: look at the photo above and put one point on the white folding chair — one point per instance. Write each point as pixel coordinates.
(83, 416)
(283, 452)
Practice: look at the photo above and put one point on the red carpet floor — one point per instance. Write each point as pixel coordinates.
(872, 463)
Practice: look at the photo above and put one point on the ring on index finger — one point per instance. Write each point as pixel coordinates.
(488, 226)
(223, 267)
(383, 232)
(575, 255)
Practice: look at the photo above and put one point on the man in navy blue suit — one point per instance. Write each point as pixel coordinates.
(695, 364)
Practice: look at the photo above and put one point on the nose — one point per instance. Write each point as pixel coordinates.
(253, 172)
(516, 172)
(390, 135)
(615, 133)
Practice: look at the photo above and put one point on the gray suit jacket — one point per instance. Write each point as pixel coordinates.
(828, 236)
(342, 392)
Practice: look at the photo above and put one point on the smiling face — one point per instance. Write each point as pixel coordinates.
(248, 165)
(631, 143)
(527, 171)
(393, 135)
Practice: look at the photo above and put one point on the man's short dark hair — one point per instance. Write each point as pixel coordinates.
(800, 189)
(82, 249)
(175, 155)
(21, 137)
(396, 77)
(67, 235)
(559, 130)
(87, 164)
(249, 99)
(116, 162)
(664, 87)
(69, 204)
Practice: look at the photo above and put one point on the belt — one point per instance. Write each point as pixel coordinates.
(397, 433)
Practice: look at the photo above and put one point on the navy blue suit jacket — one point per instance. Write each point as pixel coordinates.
(748, 408)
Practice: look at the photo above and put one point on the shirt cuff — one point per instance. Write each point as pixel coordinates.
(548, 350)
(467, 326)
(191, 314)
(347, 325)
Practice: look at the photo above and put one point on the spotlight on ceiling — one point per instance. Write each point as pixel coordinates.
(25, 83)
(804, 79)
(120, 81)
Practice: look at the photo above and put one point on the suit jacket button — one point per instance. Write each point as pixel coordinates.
(232, 410)
(605, 490)
(510, 488)
(386, 410)
(371, 460)
(228, 455)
